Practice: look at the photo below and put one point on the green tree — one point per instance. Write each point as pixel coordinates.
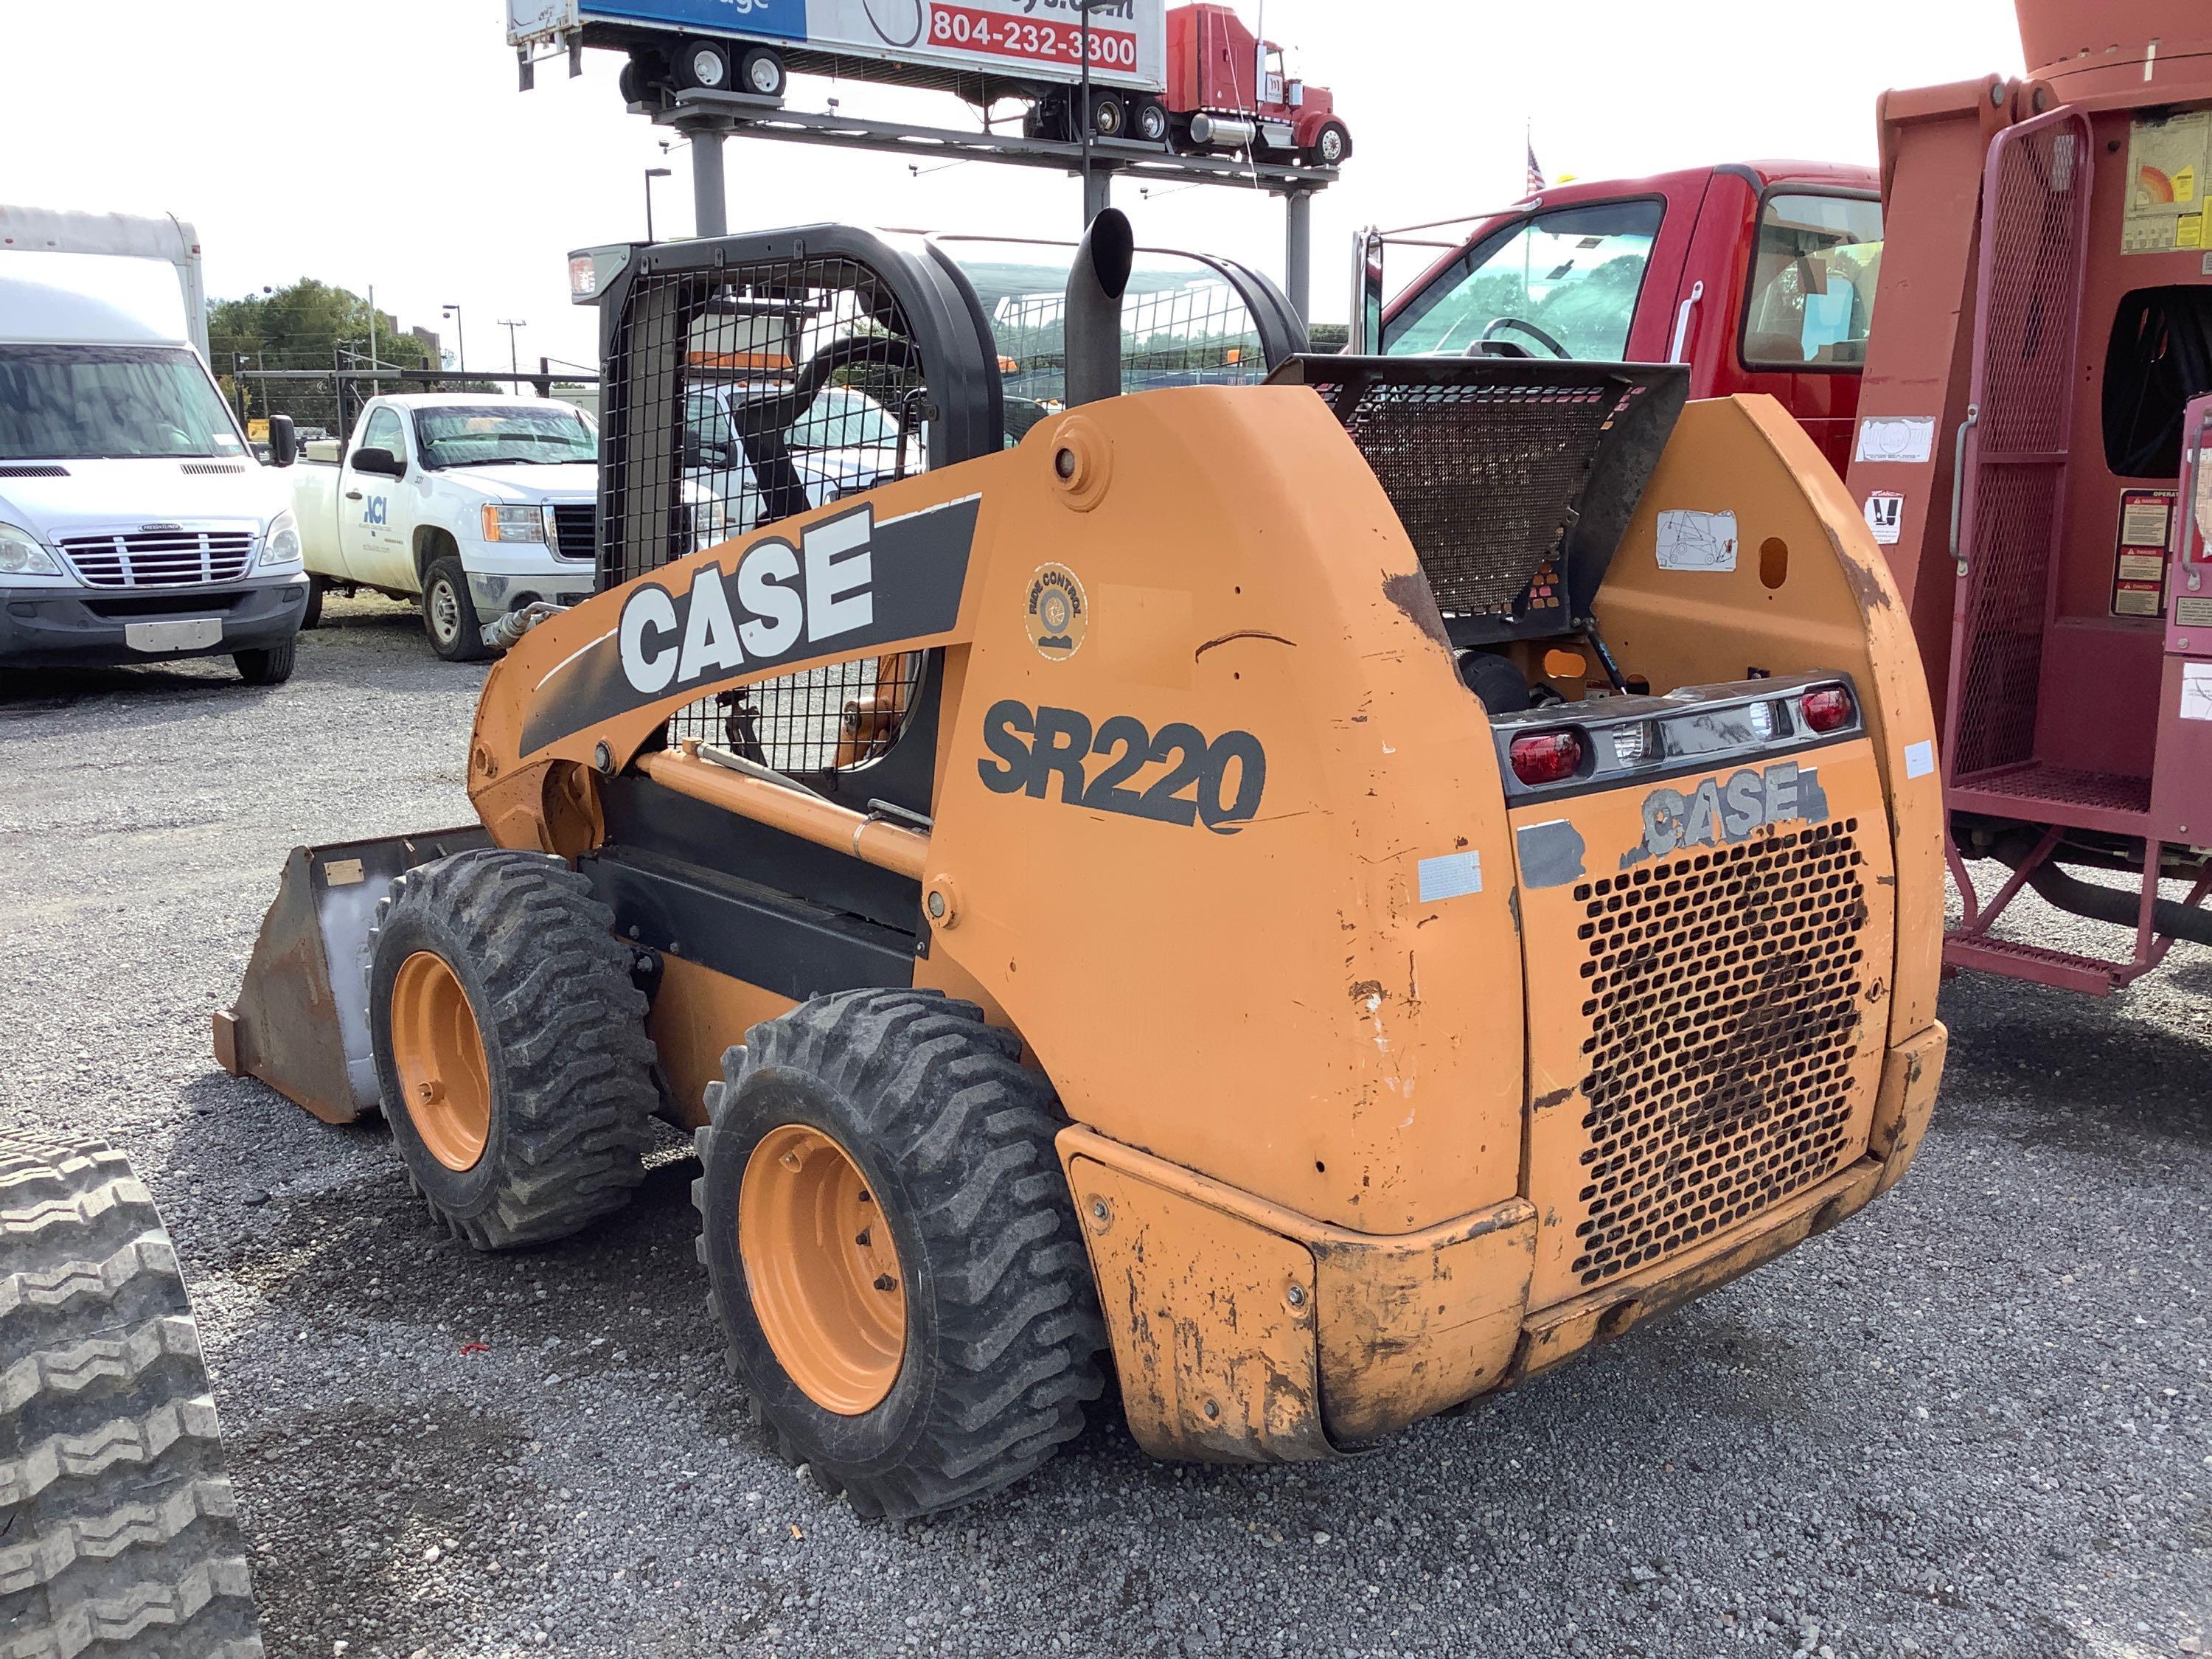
(307, 325)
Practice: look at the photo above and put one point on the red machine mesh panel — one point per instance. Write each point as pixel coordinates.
(2035, 219)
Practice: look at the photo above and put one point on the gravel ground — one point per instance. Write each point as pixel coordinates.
(1977, 1419)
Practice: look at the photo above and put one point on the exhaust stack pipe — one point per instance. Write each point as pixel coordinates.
(1092, 330)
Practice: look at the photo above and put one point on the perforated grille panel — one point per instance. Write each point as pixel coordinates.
(1725, 990)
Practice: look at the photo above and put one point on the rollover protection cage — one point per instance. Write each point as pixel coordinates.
(751, 378)
(1515, 477)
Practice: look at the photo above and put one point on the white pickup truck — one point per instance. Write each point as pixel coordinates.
(474, 505)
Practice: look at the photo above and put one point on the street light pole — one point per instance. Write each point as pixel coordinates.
(513, 362)
(1094, 194)
(460, 339)
(652, 173)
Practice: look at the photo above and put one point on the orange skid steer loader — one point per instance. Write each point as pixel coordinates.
(1338, 893)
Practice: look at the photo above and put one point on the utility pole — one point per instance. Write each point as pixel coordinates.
(460, 338)
(513, 363)
(1097, 189)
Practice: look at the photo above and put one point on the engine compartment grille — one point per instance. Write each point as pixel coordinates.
(161, 558)
(1726, 992)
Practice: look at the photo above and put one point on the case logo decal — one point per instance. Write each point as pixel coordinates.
(1717, 814)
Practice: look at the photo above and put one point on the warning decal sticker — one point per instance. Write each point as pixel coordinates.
(1885, 516)
(2196, 691)
(2139, 564)
(2168, 161)
(1696, 541)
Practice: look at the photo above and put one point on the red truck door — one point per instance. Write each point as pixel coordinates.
(1777, 296)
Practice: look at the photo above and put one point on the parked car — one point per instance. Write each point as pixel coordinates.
(470, 504)
(136, 525)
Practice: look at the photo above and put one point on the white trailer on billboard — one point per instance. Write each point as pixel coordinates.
(1032, 40)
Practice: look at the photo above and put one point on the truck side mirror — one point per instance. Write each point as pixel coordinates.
(380, 461)
(283, 440)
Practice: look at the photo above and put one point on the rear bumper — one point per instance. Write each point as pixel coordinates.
(1243, 1332)
(46, 627)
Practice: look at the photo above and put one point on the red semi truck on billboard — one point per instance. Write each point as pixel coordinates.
(2008, 352)
(1192, 78)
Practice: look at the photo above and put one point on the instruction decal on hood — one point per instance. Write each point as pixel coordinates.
(1717, 813)
(841, 586)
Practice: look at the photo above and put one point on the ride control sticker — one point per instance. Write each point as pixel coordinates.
(1059, 612)
(1696, 541)
(2139, 561)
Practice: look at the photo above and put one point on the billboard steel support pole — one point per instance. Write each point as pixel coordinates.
(1298, 252)
(710, 195)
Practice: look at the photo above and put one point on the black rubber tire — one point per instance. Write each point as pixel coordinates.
(117, 1515)
(269, 665)
(642, 77)
(1149, 122)
(682, 73)
(751, 60)
(466, 644)
(312, 618)
(1109, 116)
(565, 1048)
(1318, 157)
(955, 1138)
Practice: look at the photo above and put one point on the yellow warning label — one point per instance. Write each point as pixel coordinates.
(2190, 232)
(2185, 185)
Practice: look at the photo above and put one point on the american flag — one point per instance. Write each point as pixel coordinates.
(1536, 172)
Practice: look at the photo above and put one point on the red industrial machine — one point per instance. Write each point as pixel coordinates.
(2030, 447)
(2002, 352)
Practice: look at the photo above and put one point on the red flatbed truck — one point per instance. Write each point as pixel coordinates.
(2022, 429)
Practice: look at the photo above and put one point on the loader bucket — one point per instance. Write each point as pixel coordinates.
(301, 1023)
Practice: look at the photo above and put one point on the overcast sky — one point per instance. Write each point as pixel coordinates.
(387, 144)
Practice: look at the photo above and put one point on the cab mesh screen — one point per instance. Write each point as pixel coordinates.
(739, 396)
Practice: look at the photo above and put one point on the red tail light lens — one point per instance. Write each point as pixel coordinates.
(1828, 709)
(1547, 756)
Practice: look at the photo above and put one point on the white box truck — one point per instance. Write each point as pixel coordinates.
(136, 525)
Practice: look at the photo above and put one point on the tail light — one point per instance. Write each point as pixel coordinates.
(1828, 709)
(1546, 756)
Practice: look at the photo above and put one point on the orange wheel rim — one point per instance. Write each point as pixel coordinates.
(444, 1082)
(823, 1272)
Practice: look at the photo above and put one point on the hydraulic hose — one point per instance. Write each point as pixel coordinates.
(2087, 898)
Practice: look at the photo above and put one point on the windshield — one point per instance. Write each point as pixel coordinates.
(1575, 274)
(843, 419)
(1813, 284)
(840, 417)
(490, 436)
(92, 403)
(1183, 323)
